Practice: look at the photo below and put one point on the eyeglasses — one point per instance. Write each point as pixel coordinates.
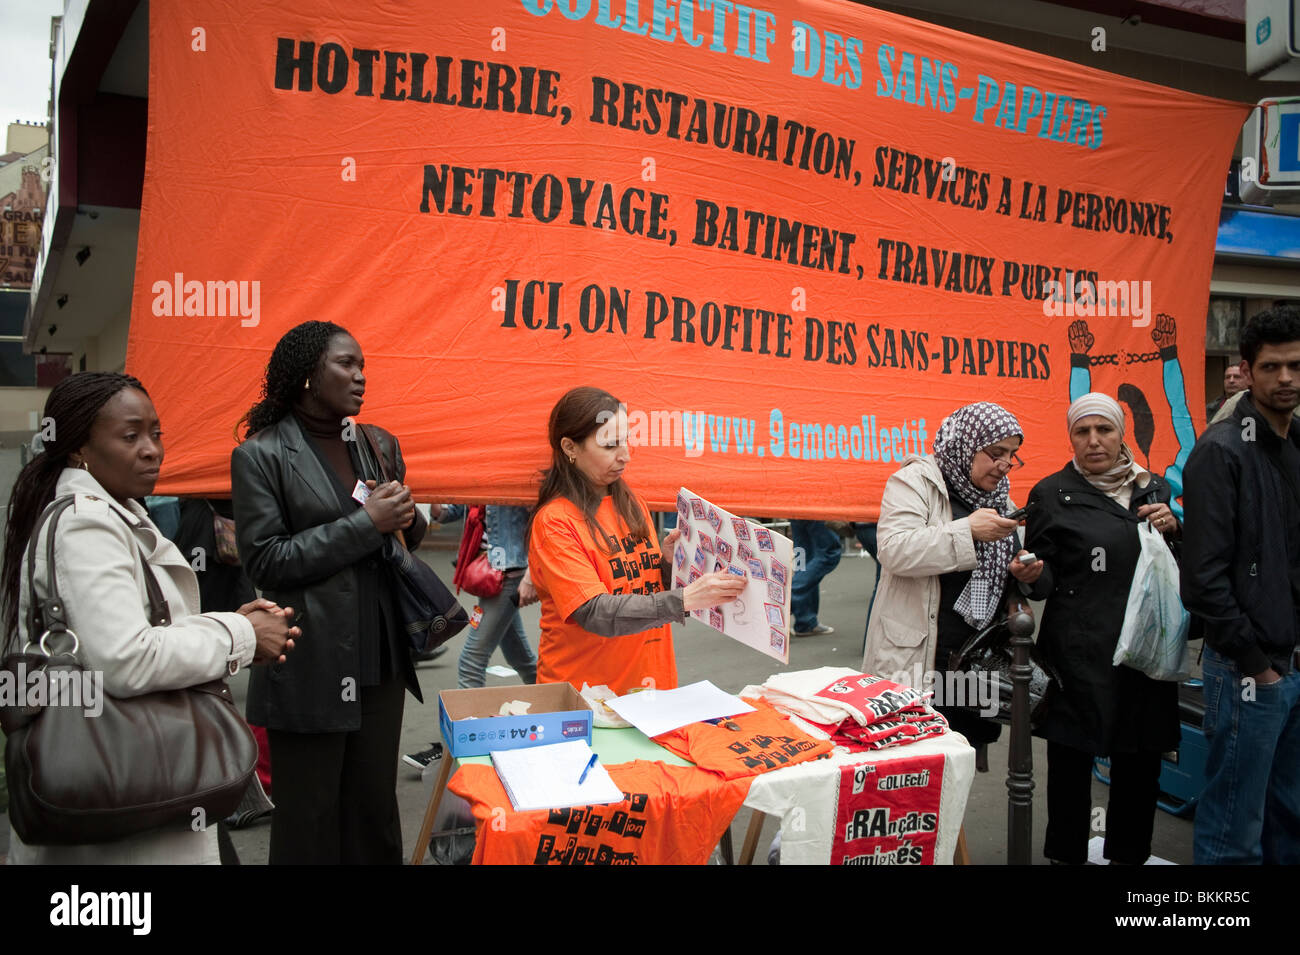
(1004, 458)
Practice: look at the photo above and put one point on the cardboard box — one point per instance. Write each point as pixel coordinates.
(471, 726)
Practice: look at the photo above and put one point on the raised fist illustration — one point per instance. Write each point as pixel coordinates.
(1081, 340)
(1165, 332)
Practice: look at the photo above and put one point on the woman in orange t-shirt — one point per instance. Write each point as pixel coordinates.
(596, 562)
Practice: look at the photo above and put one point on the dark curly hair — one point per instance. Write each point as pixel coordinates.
(293, 361)
(1274, 326)
(72, 407)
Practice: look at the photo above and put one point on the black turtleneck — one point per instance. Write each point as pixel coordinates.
(380, 637)
(326, 436)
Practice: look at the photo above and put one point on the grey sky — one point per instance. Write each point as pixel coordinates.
(25, 59)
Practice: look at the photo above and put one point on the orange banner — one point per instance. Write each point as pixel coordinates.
(791, 238)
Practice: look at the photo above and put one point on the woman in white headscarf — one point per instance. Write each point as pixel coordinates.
(947, 553)
(1083, 525)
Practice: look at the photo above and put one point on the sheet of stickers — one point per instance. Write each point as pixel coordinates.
(714, 539)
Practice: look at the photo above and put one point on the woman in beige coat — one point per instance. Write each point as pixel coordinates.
(946, 552)
(106, 454)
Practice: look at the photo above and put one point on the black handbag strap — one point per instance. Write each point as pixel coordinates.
(378, 457)
(398, 538)
(36, 610)
(51, 613)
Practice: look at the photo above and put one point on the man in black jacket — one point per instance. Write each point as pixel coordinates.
(1241, 574)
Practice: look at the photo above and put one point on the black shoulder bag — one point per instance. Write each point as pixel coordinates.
(988, 655)
(430, 613)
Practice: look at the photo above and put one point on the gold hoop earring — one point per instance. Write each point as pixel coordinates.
(573, 460)
(306, 385)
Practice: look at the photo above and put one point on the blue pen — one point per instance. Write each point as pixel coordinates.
(590, 763)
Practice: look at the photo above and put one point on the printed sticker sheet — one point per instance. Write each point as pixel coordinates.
(714, 539)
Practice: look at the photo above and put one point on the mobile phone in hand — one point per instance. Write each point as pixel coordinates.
(1019, 514)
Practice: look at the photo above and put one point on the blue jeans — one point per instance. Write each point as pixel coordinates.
(821, 549)
(500, 626)
(1249, 812)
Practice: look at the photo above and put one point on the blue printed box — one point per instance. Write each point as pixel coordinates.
(471, 726)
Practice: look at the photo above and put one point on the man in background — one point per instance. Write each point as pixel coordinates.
(1241, 576)
(1234, 380)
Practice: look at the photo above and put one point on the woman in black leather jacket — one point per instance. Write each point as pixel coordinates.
(333, 712)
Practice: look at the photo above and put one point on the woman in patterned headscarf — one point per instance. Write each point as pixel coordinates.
(1084, 527)
(947, 554)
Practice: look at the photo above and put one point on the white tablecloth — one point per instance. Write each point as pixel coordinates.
(806, 797)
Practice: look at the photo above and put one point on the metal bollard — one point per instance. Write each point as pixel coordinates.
(1020, 764)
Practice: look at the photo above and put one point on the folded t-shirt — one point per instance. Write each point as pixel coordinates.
(796, 692)
(830, 695)
(905, 728)
(766, 741)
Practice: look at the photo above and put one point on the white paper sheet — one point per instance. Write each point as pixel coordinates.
(715, 539)
(546, 777)
(658, 711)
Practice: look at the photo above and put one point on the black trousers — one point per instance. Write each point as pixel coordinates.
(1130, 813)
(335, 794)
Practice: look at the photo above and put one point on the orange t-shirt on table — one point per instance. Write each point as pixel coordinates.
(670, 815)
(568, 569)
(760, 742)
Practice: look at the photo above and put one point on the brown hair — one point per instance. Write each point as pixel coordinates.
(575, 416)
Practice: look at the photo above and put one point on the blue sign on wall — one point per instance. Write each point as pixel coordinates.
(1288, 159)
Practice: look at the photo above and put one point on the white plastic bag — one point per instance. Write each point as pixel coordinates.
(1154, 636)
